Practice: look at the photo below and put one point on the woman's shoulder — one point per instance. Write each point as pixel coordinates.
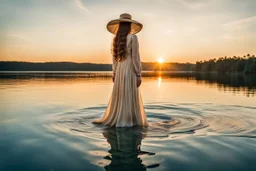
(133, 36)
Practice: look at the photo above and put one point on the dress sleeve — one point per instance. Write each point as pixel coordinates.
(114, 65)
(136, 55)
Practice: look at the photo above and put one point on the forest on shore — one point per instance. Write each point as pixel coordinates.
(245, 64)
(235, 64)
(72, 66)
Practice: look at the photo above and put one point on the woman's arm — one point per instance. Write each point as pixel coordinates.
(136, 59)
(136, 55)
(114, 65)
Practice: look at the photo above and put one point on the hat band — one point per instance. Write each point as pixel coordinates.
(126, 18)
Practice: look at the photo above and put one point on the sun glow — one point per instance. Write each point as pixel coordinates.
(160, 60)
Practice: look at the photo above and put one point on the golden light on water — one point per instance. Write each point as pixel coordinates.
(159, 81)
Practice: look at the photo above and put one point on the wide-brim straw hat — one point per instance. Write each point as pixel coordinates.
(113, 25)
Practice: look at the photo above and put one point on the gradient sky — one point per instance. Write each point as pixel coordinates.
(175, 30)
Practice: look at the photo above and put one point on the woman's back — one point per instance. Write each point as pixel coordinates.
(131, 63)
(125, 107)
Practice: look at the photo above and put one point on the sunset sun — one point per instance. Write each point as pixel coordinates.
(160, 60)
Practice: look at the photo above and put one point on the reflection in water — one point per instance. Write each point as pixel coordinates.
(229, 82)
(159, 81)
(125, 149)
(224, 82)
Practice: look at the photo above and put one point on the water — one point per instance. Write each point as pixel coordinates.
(196, 122)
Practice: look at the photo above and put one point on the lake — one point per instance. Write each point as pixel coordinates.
(196, 122)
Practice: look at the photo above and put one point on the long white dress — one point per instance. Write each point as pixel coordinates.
(125, 107)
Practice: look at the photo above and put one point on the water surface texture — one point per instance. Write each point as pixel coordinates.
(196, 122)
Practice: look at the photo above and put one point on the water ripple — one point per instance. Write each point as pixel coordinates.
(166, 120)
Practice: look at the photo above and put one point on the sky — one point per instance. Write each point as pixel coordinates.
(174, 30)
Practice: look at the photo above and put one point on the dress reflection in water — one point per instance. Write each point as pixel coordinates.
(125, 149)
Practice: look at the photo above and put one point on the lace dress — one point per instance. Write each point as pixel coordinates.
(125, 107)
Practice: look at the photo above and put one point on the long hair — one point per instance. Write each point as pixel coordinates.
(119, 41)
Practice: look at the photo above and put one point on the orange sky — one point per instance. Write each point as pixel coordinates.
(175, 30)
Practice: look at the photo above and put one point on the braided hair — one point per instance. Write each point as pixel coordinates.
(119, 41)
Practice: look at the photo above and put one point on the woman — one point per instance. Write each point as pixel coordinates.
(125, 107)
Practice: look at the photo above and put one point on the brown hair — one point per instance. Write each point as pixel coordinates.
(119, 41)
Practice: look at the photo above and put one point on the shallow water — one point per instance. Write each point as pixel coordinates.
(196, 122)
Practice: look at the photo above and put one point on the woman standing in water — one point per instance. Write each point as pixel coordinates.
(125, 107)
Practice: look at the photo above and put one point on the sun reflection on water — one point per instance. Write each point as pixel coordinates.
(159, 81)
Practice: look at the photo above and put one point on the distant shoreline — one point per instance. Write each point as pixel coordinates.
(231, 65)
(72, 66)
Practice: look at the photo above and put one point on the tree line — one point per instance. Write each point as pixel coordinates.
(245, 64)
(72, 66)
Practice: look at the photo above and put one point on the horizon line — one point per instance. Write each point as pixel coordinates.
(167, 62)
(164, 62)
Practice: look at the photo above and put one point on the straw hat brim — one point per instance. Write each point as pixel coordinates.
(113, 25)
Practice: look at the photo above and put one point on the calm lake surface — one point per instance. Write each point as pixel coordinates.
(196, 122)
